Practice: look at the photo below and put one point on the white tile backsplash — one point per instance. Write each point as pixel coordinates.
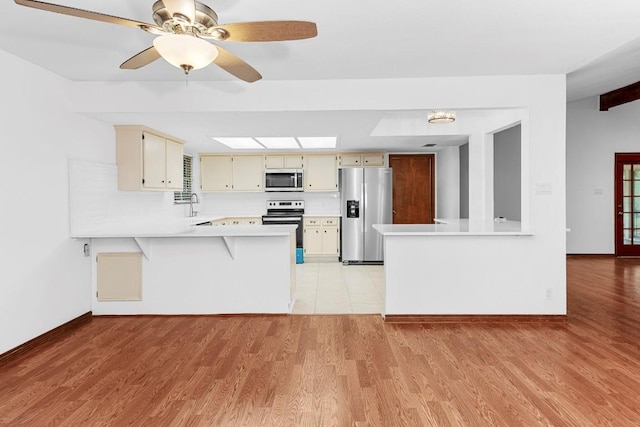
(242, 204)
(94, 199)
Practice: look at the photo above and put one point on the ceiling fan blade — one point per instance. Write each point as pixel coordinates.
(141, 59)
(186, 8)
(267, 31)
(81, 13)
(236, 66)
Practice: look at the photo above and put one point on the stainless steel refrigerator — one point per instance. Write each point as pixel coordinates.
(365, 199)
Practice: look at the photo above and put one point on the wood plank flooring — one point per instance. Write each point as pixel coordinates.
(344, 370)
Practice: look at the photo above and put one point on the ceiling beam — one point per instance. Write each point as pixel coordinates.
(620, 96)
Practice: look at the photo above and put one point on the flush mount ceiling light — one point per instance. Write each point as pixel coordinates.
(441, 116)
(185, 51)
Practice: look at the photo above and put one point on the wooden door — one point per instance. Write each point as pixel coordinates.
(413, 188)
(627, 207)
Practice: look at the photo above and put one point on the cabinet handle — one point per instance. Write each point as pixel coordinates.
(162, 181)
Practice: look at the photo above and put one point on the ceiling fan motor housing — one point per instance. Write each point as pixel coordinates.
(205, 21)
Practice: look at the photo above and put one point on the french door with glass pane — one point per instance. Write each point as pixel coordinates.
(627, 184)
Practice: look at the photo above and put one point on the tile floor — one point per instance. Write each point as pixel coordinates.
(333, 288)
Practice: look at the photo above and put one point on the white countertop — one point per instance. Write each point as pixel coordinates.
(181, 227)
(454, 227)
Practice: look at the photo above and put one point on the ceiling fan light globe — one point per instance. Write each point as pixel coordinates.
(182, 50)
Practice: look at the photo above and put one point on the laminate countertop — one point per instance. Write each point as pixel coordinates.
(180, 227)
(455, 227)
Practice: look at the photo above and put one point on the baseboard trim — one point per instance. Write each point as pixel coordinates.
(592, 255)
(193, 315)
(469, 318)
(46, 337)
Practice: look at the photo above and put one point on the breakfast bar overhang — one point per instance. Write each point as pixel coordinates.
(188, 269)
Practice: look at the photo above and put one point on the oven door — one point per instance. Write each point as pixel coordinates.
(279, 220)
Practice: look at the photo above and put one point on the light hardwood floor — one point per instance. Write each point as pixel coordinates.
(344, 370)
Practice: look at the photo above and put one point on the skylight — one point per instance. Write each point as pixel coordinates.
(239, 143)
(277, 142)
(318, 142)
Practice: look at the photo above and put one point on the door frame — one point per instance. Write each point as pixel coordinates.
(432, 160)
(621, 249)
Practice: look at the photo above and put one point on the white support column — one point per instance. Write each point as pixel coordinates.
(480, 177)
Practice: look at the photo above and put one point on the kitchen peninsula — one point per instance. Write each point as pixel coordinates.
(457, 267)
(188, 269)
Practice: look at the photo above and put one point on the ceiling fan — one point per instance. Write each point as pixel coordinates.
(183, 28)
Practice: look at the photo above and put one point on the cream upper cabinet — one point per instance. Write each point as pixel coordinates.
(216, 173)
(361, 159)
(321, 172)
(231, 173)
(283, 161)
(148, 160)
(350, 160)
(373, 159)
(248, 173)
(174, 164)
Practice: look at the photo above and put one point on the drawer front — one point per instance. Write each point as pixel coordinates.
(330, 221)
(312, 221)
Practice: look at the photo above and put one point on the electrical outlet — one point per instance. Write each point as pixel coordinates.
(548, 294)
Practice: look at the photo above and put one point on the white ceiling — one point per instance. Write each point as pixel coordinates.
(596, 43)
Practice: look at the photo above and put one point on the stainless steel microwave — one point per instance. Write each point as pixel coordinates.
(283, 180)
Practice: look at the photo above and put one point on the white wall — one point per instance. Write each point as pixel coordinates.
(506, 173)
(448, 183)
(593, 138)
(463, 153)
(43, 273)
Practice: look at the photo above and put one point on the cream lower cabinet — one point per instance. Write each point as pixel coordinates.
(148, 160)
(231, 173)
(244, 221)
(238, 221)
(321, 237)
(321, 172)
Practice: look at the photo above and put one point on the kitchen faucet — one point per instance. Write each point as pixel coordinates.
(193, 213)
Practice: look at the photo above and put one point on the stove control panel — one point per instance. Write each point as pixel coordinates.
(285, 204)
